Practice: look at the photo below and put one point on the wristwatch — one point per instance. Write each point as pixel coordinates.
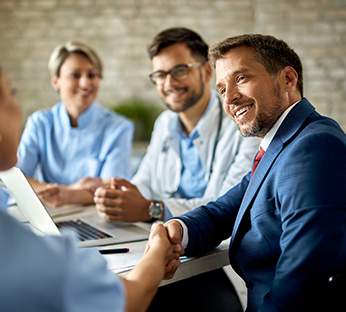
(155, 210)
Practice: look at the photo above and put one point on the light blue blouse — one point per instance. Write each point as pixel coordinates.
(99, 147)
(51, 274)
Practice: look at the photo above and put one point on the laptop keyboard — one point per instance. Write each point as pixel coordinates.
(84, 231)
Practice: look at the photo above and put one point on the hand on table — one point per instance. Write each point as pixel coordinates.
(121, 201)
(57, 195)
(54, 195)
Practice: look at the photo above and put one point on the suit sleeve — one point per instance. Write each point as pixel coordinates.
(209, 225)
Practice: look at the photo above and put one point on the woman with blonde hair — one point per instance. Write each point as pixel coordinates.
(67, 151)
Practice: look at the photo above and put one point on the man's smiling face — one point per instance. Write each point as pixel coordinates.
(252, 97)
(183, 94)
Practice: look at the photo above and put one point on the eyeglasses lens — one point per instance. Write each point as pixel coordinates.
(178, 73)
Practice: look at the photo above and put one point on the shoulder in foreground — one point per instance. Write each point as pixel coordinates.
(324, 137)
(320, 125)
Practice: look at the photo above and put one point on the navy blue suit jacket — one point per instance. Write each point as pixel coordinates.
(288, 222)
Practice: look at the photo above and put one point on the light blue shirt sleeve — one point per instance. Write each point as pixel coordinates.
(100, 146)
(51, 274)
(4, 195)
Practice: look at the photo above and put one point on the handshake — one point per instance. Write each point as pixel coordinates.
(165, 242)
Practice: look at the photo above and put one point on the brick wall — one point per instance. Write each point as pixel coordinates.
(120, 30)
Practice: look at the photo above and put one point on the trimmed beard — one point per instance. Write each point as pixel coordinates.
(192, 100)
(264, 122)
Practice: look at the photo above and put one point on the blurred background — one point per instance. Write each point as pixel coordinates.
(120, 30)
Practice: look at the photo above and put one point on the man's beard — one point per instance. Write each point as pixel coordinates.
(191, 100)
(264, 122)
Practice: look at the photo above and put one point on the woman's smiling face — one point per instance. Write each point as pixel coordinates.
(78, 84)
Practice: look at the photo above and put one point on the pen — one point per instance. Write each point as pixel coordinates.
(113, 251)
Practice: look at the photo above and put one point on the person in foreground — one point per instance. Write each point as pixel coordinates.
(50, 273)
(195, 154)
(287, 221)
(77, 143)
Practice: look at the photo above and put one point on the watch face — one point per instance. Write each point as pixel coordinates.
(155, 210)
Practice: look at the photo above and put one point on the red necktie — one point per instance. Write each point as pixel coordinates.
(257, 160)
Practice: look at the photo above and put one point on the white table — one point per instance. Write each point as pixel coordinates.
(123, 263)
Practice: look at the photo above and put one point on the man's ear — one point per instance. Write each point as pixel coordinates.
(54, 80)
(291, 78)
(208, 71)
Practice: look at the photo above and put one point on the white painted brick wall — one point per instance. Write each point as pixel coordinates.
(121, 29)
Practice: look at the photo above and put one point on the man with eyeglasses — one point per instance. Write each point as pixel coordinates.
(195, 154)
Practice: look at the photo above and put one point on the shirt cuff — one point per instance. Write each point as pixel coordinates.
(185, 240)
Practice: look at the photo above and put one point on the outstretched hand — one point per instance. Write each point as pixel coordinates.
(175, 234)
(142, 282)
(159, 239)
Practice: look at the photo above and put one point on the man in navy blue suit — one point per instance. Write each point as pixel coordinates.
(287, 219)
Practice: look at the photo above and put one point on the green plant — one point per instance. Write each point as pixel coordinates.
(142, 113)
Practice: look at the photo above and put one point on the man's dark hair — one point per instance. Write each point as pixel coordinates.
(274, 54)
(197, 46)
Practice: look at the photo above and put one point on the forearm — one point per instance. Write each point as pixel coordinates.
(56, 195)
(80, 197)
(142, 282)
(36, 185)
(216, 227)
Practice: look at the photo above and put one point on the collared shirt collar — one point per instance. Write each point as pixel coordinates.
(84, 119)
(265, 142)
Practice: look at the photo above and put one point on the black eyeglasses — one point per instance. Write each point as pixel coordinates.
(178, 72)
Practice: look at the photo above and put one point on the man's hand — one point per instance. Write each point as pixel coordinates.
(175, 236)
(121, 201)
(159, 242)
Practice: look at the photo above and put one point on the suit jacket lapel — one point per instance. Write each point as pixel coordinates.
(286, 131)
(262, 170)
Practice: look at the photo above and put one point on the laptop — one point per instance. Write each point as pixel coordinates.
(91, 229)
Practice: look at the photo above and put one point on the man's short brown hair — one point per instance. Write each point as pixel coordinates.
(170, 36)
(274, 54)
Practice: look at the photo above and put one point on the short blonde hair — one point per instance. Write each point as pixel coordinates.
(61, 52)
